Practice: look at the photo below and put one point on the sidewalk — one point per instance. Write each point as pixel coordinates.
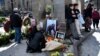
(77, 43)
(91, 46)
(18, 50)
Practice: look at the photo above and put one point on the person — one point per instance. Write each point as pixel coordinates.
(68, 21)
(16, 23)
(77, 24)
(37, 42)
(95, 17)
(32, 29)
(88, 15)
(71, 21)
(84, 16)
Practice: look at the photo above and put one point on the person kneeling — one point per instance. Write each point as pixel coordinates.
(37, 42)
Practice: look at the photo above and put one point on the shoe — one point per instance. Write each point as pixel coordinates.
(81, 36)
(38, 51)
(97, 27)
(87, 31)
(77, 38)
(27, 51)
(30, 51)
(18, 42)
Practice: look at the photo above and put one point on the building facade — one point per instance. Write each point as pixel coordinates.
(1, 4)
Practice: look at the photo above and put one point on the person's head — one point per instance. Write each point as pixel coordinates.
(90, 6)
(76, 6)
(39, 27)
(71, 6)
(33, 22)
(31, 16)
(95, 9)
(15, 10)
(91, 2)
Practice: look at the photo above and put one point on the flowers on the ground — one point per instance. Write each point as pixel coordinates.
(70, 54)
(5, 36)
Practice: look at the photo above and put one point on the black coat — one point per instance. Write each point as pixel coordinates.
(38, 41)
(88, 11)
(15, 19)
(68, 15)
(31, 33)
(76, 13)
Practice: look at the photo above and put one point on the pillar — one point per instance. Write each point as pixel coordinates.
(59, 13)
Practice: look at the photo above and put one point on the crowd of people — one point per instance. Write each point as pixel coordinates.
(36, 39)
(71, 14)
(75, 18)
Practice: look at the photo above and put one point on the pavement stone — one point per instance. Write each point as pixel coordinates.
(19, 50)
(91, 46)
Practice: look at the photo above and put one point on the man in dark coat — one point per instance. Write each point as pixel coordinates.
(16, 24)
(68, 15)
(68, 18)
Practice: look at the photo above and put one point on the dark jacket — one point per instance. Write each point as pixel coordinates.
(95, 15)
(67, 12)
(15, 20)
(38, 41)
(68, 15)
(31, 33)
(76, 13)
(88, 12)
(84, 14)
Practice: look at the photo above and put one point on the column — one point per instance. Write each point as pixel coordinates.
(59, 13)
(98, 4)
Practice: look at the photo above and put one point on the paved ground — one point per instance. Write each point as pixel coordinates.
(18, 50)
(91, 46)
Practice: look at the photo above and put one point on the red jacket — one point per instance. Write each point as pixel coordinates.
(95, 15)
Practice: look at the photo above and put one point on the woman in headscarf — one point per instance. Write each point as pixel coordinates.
(88, 15)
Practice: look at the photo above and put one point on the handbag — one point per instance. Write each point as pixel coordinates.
(81, 20)
(80, 17)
